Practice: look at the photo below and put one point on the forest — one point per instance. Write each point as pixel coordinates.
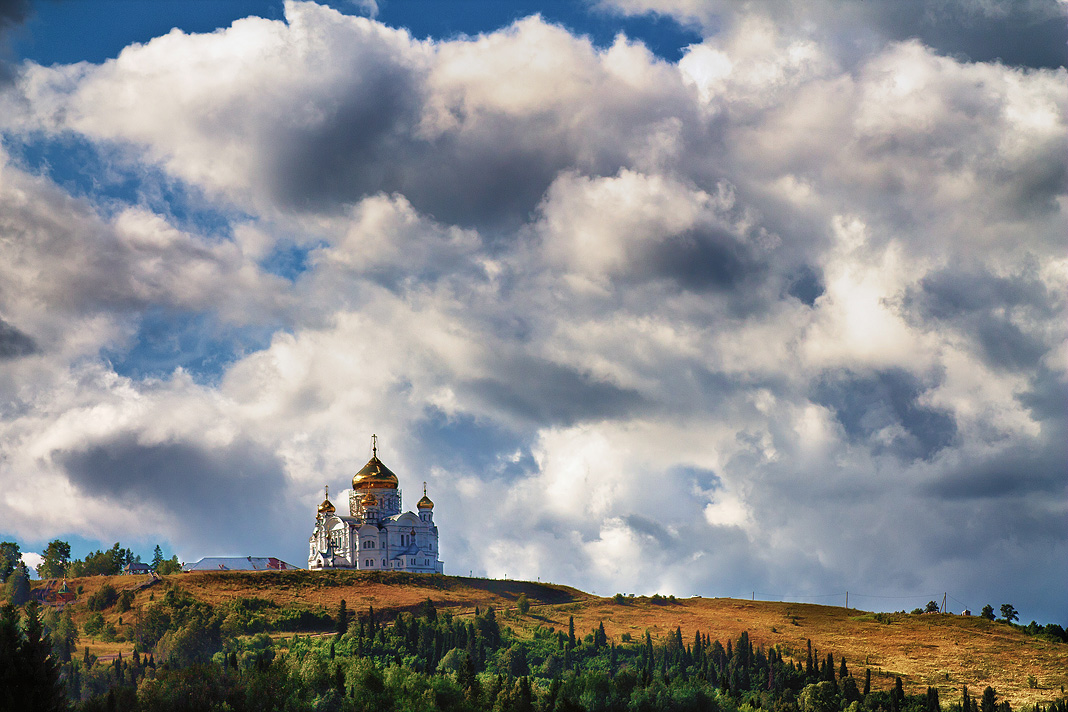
(191, 655)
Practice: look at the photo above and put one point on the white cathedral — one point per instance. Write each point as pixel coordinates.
(375, 536)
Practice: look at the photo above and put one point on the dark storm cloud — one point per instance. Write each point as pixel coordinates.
(1017, 471)
(546, 393)
(14, 343)
(950, 292)
(12, 14)
(982, 306)
(1031, 34)
(220, 494)
(1047, 399)
(872, 406)
(702, 260)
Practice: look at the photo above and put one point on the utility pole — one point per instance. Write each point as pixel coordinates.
(847, 600)
(943, 602)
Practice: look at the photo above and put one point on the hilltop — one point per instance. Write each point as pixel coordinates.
(942, 651)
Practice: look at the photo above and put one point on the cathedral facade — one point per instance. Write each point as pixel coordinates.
(375, 535)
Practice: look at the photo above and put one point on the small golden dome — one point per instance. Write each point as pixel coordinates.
(425, 503)
(325, 507)
(369, 500)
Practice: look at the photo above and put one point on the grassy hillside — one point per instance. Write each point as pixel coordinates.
(942, 651)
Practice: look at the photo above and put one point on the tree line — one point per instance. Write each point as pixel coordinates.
(57, 563)
(193, 655)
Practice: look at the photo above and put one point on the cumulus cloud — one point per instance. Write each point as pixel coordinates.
(1031, 33)
(778, 316)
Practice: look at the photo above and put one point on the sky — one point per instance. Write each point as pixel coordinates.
(696, 297)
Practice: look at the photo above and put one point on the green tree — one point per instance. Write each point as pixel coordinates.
(988, 612)
(522, 604)
(932, 607)
(989, 702)
(43, 691)
(10, 555)
(157, 558)
(18, 585)
(56, 557)
(819, 697)
(342, 622)
(1008, 613)
(10, 661)
(169, 566)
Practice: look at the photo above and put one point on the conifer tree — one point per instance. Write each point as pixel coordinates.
(342, 618)
(989, 701)
(43, 690)
(867, 683)
(571, 631)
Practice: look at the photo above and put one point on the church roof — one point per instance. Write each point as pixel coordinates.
(374, 475)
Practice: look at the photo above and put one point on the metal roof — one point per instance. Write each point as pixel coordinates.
(239, 563)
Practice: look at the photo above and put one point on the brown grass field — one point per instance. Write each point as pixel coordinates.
(943, 651)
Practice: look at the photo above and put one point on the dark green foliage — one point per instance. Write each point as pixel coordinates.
(56, 557)
(29, 674)
(169, 566)
(157, 558)
(437, 661)
(1008, 613)
(989, 701)
(988, 612)
(10, 555)
(342, 621)
(104, 597)
(101, 563)
(932, 607)
(18, 585)
(522, 604)
(126, 599)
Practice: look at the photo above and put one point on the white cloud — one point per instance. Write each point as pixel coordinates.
(783, 313)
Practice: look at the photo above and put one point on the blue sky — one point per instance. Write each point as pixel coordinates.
(655, 295)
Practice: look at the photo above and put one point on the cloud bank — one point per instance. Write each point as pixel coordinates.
(786, 316)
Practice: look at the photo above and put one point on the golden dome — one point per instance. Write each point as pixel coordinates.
(326, 507)
(369, 500)
(425, 503)
(374, 474)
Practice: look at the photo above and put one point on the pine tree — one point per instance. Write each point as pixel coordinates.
(599, 637)
(571, 631)
(10, 662)
(43, 690)
(989, 701)
(932, 700)
(157, 558)
(867, 683)
(342, 618)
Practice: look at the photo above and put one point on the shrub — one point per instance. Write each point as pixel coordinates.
(104, 597)
(126, 599)
(522, 604)
(94, 624)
